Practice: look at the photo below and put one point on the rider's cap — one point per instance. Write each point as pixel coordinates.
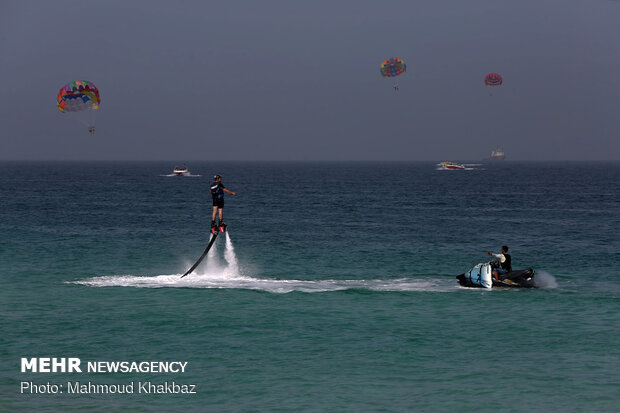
(217, 177)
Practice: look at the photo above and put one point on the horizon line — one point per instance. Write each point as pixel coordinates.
(312, 160)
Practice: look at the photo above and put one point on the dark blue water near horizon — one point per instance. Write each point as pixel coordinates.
(334, 290)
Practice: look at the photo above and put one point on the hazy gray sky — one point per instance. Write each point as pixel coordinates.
(291, 80)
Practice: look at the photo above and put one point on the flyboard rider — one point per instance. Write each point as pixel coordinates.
(217, 190)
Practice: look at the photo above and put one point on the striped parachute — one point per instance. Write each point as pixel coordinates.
(81, 98)
(393, 67)
(493, 79)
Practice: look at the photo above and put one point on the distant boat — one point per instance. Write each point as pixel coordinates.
(451, 165)
(180, 170)
(496, 155)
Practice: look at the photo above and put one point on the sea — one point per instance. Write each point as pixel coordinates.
(333, 290)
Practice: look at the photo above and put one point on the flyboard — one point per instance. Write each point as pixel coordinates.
(215, 232)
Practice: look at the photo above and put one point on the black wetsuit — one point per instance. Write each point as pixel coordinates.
(218, 194)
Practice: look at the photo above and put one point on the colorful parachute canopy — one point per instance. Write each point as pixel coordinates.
(393, 67)
(493, 79)
(78, 95)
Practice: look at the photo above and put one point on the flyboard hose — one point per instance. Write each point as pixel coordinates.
(204, 254)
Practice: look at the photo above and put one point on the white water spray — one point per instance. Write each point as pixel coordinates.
(231, 258)
(212, 280)
(212, 263)
(545, 280)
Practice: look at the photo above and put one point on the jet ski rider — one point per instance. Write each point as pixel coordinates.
(504, 261)
(217, 190)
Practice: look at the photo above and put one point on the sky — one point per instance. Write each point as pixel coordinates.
(299, 80)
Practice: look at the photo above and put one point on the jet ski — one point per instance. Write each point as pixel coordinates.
(481, 276)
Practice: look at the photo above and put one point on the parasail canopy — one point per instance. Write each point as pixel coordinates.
(393, 67)
(77, 96)
(493, 79)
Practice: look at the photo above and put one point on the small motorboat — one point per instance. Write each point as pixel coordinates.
(180, 170)
(451, 165)
(481, 276)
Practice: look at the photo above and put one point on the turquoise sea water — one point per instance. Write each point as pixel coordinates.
(334, 291)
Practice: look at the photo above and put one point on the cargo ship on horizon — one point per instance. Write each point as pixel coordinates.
(496, 155)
